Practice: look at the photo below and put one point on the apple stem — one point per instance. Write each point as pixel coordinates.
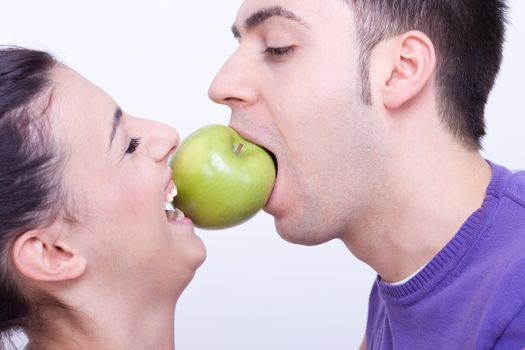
(239, 148)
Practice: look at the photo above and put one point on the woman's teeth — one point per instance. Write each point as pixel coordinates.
(170, 196)
(168, 206)
(172, 213)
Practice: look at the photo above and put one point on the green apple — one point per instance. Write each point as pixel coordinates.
(222, 179)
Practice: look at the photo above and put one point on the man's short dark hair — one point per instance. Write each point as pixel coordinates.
(468, 37)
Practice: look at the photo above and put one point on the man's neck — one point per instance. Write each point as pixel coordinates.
(427, 201)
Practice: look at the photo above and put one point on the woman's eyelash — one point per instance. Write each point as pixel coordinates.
(133, 145)
(279, 51)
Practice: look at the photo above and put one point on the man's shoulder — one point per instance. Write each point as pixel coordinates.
(506, 212)
(515, 187)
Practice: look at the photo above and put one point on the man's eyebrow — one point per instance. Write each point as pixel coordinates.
(257, 18)
(117, 116)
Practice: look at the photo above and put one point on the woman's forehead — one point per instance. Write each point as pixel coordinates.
(79, 108)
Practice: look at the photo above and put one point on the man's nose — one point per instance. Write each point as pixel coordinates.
(235, 84)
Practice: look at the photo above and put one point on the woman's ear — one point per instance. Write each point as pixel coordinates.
(42, 255)
(410, 63)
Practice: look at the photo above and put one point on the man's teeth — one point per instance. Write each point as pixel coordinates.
(172, 194)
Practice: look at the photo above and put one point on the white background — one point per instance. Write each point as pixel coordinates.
(255, 291)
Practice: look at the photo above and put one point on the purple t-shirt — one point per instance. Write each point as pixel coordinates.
(471, 295)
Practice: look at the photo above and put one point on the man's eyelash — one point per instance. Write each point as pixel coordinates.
(279, 51)
(133, 145)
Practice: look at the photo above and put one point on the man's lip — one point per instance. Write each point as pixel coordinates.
(270, 205)
(253, 138)
(247, 135)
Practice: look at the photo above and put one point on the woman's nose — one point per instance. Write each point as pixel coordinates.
(160, 139)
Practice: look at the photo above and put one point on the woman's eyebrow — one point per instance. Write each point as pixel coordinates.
(117, 116)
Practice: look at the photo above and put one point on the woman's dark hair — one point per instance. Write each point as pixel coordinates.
(468, 36)
(30, 189)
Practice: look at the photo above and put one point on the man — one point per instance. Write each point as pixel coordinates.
(374, 112)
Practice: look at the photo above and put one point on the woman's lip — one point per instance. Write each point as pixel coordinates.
(184, 222)
(181, 221)
(176, 216)
(169, 183)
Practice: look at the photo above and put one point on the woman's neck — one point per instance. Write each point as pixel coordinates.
(108, 328)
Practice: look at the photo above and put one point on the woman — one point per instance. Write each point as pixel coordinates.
(89, 257)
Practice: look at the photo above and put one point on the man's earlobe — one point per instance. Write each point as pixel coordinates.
(413, 62)
(39, 256)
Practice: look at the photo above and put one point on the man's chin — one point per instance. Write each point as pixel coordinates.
(298, 233)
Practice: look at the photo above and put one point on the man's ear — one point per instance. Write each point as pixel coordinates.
(410, 65)
(42, 255)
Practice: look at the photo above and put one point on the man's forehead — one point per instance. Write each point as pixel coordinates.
(309, 11)
(249, 7)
